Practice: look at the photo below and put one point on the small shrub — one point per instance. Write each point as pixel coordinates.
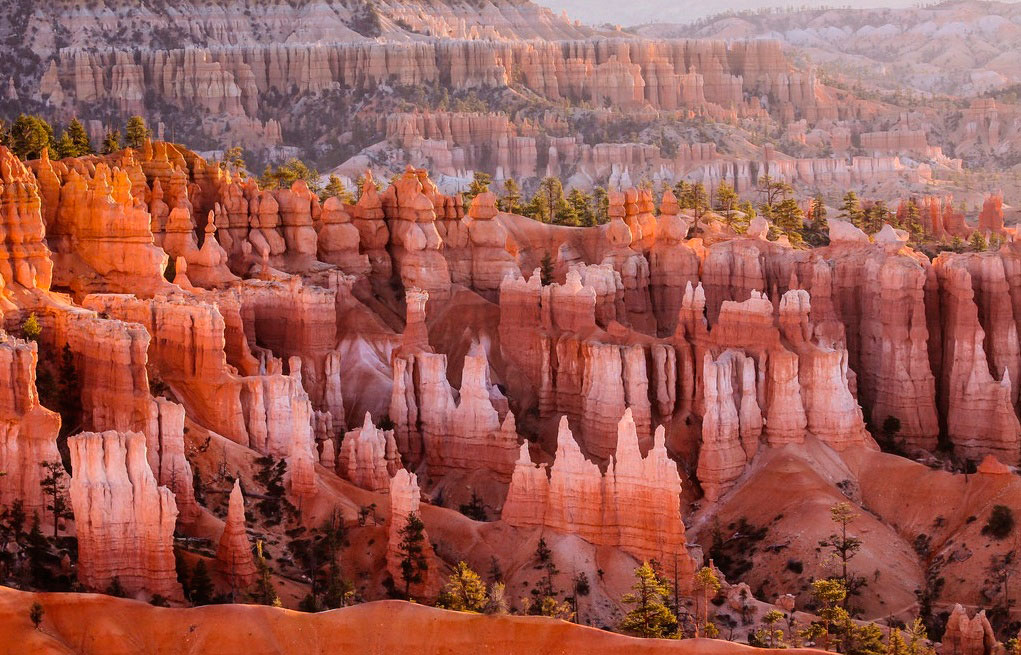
(31, 329)
(1000, 523)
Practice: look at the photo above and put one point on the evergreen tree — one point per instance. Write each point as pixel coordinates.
(581, 204)
(30, 329)
(30, 135)
(74, 141)
(549, 205)
(831, 595)
(111, 142)
(335, 189)
(707, 582)
(696, 199)
(601, 205)
(875, 216)
(479, 185)
(726, 198)
(263, 591)
(978, 242)
(789, 218)
(201, 584)
(649, 617)
(233, 160)
(851, 211)
(53, 486)
(288, 173)
(412, 551)
(510, 203)
(819, 222)
(913, 218)
(38, 550)
(136, 132)
(773, 191)
(681, 193)
(464, 591)
(844, 547)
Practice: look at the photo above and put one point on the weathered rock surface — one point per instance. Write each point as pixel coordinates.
(234, 553)
(125, 522)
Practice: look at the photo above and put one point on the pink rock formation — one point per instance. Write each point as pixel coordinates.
(369, 457)
(968, 636)
(723, 457)
(415, 241)
(979, 411)
(632, 266)
(165, 451)
(404, 500)
(459, 436)
(634, 505)
(339, 239)
(125, 523)
(26, 261)
(991, 217)
(234, 553)
(28, 431)
(490, 259)
(102, 234)
(671, 265)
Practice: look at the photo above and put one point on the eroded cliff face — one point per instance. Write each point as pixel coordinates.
(125, 523)
(593, 407)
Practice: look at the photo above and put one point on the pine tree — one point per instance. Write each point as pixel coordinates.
(53, 487)
(875, 216)
(30, 135)
(479, 185)
(136, 132)
(581, 203)
(464, 591)
(412, 551)
(263, 591)
(844, 547)
(978, 242)
(111, 142)
(335, 189)
(510, 203)
(726, 197)
(850, 210)
(772, 191)
(913, 218)
(696, 199)
(819, 222)
(789, 218)
(30, 329)
(74, 141)
(650, 617)
(201, 584)
(601, 205)
(288, 173)
(831, 594)
(707, 582)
